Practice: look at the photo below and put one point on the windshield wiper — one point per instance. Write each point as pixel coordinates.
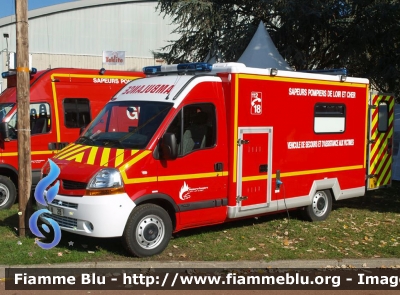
(111, 142)
(85, 138)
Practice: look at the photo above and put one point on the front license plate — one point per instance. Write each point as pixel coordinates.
(56, 211)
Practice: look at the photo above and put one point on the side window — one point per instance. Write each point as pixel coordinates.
(194, 127)
(383, 117)
(40, 118)
(176, 128)
(76, 112)
(124, 118)
(102, 124)
(12, 125)
(329, 118)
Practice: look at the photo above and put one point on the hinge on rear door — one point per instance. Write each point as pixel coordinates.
(241, 198)
(242, 141)
(372, 141)
(372, 107)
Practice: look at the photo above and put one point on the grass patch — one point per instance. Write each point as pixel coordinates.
(362, 227)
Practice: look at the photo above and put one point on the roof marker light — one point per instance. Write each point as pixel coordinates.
(152, 70)
(273, 72)
(196, 66)
(13, 73)
(7, 74)
(178, 68)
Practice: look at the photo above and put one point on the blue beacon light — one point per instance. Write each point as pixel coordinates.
(176, 68)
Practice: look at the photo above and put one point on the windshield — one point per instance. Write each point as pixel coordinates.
(125, 124)
(5, 108)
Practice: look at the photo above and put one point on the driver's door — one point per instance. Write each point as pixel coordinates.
(197, 178)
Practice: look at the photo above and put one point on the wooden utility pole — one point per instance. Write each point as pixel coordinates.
(23, 123)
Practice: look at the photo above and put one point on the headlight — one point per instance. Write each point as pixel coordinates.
(106, 178)
(107, 181)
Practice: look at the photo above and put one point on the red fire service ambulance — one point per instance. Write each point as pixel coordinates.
(61, 102)
(199, 144)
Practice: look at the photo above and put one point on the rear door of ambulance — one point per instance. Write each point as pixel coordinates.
(380, 139)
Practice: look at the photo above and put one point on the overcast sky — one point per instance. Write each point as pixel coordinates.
(7, 7)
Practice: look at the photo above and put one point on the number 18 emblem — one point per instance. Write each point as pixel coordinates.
(256, 103)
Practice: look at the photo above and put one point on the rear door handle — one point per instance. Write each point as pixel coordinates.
(263, 168)
(218, 167)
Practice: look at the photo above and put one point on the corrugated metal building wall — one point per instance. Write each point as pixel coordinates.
(75, 34)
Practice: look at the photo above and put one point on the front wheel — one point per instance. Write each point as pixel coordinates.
(320, 207)
(8, 192)
(147, 231)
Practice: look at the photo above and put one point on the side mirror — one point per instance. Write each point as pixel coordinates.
(168, 147)
(4, 132)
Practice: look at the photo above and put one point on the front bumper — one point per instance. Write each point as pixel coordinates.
(99, 216)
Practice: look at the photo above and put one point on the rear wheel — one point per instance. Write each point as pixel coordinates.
(148, 230)
(320, 207)
(8, 192)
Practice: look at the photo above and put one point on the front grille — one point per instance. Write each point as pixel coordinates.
(53, 183)
(65, 204)
(63, 221)
(72, 185)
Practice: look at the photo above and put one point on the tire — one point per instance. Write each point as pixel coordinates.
(147, 231)
(8, 192)
(320, 207)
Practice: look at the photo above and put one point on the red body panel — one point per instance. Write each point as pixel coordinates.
(301, 155)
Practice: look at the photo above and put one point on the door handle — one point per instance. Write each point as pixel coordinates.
(56, 146)
(263, 168)
(218, 167)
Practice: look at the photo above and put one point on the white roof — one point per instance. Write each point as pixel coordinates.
(162, 88)
(61, 7)
(173, 88)
(232, 67)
